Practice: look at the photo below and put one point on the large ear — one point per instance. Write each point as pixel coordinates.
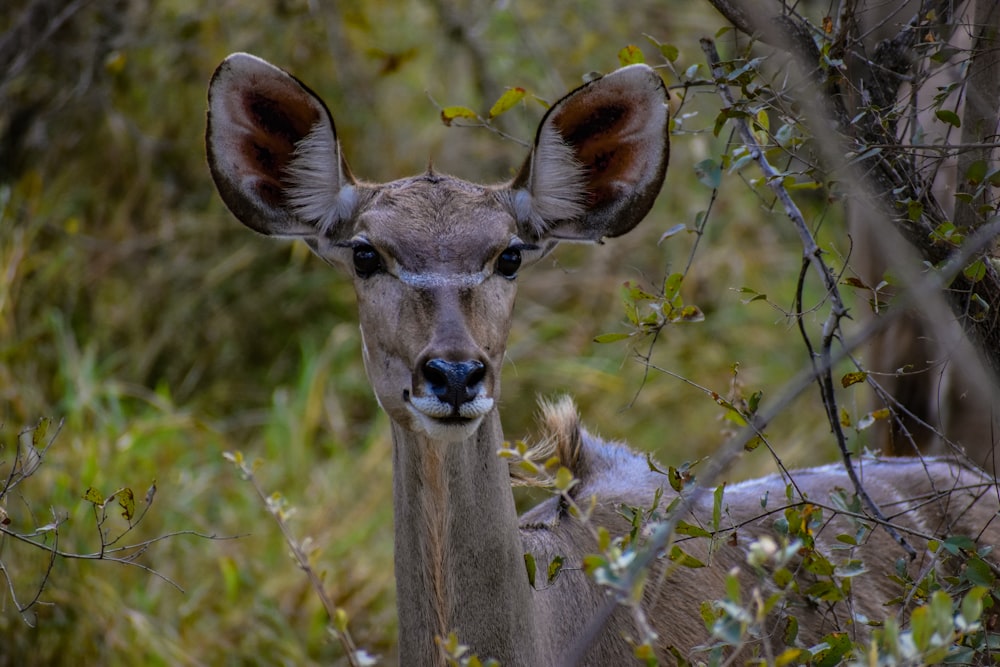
(599, 159)
(273, 151)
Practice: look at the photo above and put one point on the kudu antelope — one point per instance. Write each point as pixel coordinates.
(434, 262)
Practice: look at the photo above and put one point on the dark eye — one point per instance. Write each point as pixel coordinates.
(366, 260)
(509, 262)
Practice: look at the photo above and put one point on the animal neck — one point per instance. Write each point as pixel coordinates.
(459, 557)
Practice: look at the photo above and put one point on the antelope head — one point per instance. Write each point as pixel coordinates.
(435, 259)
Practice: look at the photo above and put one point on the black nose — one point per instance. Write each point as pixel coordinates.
(454, 382)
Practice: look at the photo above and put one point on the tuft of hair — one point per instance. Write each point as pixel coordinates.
(557, 185)
(319, 191)
(561, 437)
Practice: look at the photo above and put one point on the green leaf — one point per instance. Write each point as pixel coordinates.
(675, 478)
(685, 528)
(708, 614)
(948, 116)
(709, 172)
(826, 591)
(657, 496)
(593, 562)
(847, 539)
(735, 416)
(837, 647)
(851, 568)
(603, 538)
(717, 506)
(555, 567)
(975, 271)
(754, 295)
(691, 314)
(654, 468)
(956, 543)
(672, 285)
(920, 627)
(683, 558)
(38, 434)
(976, 173)
(448, 114)
(529, 467)
(529, 565)
(631, 55)
(941, 614)
(796, 185)
(611, 337)
(507, 101)
(668, 51)
(972, 605)
(979, 573)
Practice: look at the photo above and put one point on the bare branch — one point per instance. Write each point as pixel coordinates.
(275, 507)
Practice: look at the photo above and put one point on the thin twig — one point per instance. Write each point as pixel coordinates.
(811, 255)
(302, 559)
(105, 555)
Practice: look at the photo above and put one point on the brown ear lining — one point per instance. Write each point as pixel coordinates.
(617, 129)
(268, 144)
(258, 117)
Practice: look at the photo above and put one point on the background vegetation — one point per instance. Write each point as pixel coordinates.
(139, 315)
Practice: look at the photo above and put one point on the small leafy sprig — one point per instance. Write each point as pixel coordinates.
(281, 511)
(32, 444)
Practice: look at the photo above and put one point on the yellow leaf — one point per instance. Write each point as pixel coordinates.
(644, 652)
(92, 495)
(340, 620)
(630, 55)
(115, 62)
(448, 114)
(40, 430)
(564, 479)
(507, 101)
(126, 500)
(853, 378)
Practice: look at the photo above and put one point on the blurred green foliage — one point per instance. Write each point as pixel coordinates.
(137, 310)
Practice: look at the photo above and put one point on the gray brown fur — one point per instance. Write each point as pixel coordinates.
(923, 498)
